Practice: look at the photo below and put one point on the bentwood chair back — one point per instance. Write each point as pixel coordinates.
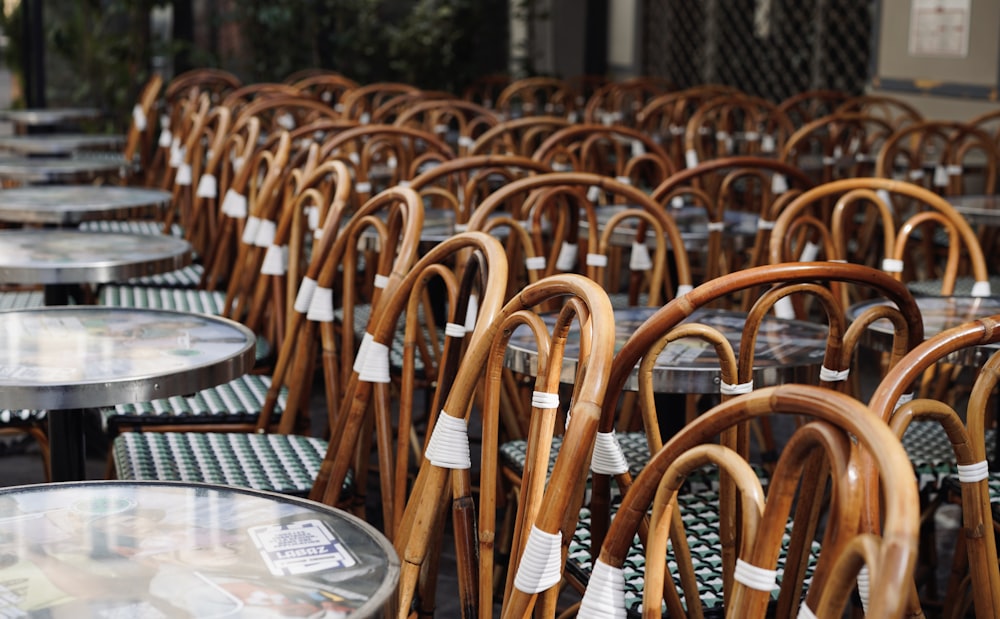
(961, 453)
(614, 151)
(457, 121)
(532, 96)
(520, 136)
(328, 87)
(548, 507)
(894, 110)
(840, 145)
(808, 105)
(734, 125)
(360, 103)
(879, 563)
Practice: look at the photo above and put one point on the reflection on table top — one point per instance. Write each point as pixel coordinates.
(784, 347)
(54, 256)
(939, 314)
(59, 143)
(38, 117)
(978, 209)
(87, 356)
(59, 169)
(128, 549)
(70, 204)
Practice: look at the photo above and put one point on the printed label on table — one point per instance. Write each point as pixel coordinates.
(300, 548)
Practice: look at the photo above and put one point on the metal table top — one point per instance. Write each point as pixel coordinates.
(153, 549)
(785, 349)
(55, 256)
(978, 209)
(59, 143)
(60, 169)
(65, 205)
(39, 117)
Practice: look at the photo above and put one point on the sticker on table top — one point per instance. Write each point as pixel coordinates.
(300, 547)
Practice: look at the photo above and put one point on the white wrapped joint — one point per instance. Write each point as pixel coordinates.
(608, 458)
(265, 233)
(541, 563)
(809, 252)
(544, 400)
(864, 587)
(756, 578)
(234, 204)
(363, 187)
(472, 313)
(892, 265)
(972, 473)
(208, 186)
(940, 176)
(605, 594)
(597, 260)
(783, 308)
(640, 260)
(312, 216)
(375, 364)
(691, 158)
(275, 260)
(833, 376)
(139, 118)
(779, 184)
(166, 138)
(638, 148)
(381, 281)
(176, 152)
(535, 263)
(453, 329)
(736, 389)
(683, 289)
(183, 176)
(567, 256)
(321, 305)
(981, 289)
(303, 298)
(624, 180)
(594, 193)
(449, 444)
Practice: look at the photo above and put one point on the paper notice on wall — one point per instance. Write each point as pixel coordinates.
(940, 28)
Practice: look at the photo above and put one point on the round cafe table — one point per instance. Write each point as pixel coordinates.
(978, 209)
(58, 258)
(69, 359)
(60, 144)
(152, 549)
(40, 170)
(786, 350)
(68, 205)
(49, 116)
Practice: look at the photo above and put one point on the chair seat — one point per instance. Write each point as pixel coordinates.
(931, 452)
(287, 464)
(963, 286)
(238, 401)
(22, 418)
(701, 520)
(133, 226)
(513, 454)
(21, 299)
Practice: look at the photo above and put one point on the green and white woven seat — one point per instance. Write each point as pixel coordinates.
(282, 463)
(701, 520)
(931, 453)
(238, 401)
(362, 312)
(963, 286)
(132, 226)
(21, 299)
(22, 417)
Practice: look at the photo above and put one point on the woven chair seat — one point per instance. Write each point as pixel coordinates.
(963, 286)
(362, 313)
(931, 452)
(282, 463)
(238, 401)
(701, 519)
(21, 299)
(22, 418)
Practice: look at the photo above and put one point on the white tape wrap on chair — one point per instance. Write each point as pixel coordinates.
(265, 233)
(567, 257)
(972, 473)
(234, 204)
(453, 329)
(541, 562)
(892, 265)
(381, 281)
(805, 612)
(472, 313)
(305, 294)
(139, 118)
(737, 389)
(756, 578)
(183, 176)
(594, 193)
(597, 260)
(779, 184)
(166, 138)
(321, 305)
(275, 260)
(716, 226)
(683, 289)
(783, 308)
(374, 363)
(864, 587)
(691, 158)
(981, 289)
(465, 141)
(535, 263)
(608, 458)
(833, 376)
(624, 180)
(885, 196)
(809, 252)
(677, 202)
(605, 594)
(250, 230)
(640, 260)
(903, 399)
(544, 400)
(449, 444)
(208, 186)
(940, 176)
(765, 224)
(363, 187)
(176, 152)
(312, 216)
(359, 357)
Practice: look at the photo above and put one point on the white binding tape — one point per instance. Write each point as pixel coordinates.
(183, 176)
(833, 376)
(597, 260)
(638, 148)
(472, 313)
(312, 217)
(683, 289)
(544, 400)
(624, 180)
(449, 444)
(265, 233)
(981, 289)
(567, 256)
(737, 389)
(208, 186)
(768, 143)
(716, 226)
(465, 141)
(304, 296)
(805, 612)
(460, 228)
(166, 138)
(892, 265)
(359, 357)
(535, 263)
(864, 587)
(779, 184)
(677, 202)
(363, 187)
(234, 204)
(139, 118)
(453, 329)
(691, 158)
(940, 176)
(783, 308)
(640, 260)
(972, 473)
(274, 260)
(541, 563)
(321, 305)
(756, 578)
(765, 224)
(809, 252)
(955, 170)
(605, 593)
(381, 281)
(594, 193)
(608, 458)
(375, 365)
(250, 230)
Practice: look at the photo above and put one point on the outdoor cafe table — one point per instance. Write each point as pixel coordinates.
(978, 209)
(47, 117)
(69, 359)
(58, 258)
(60, 144)
(68, 205)
(939, 313)
(40, 170)
(158, 549)
(785, 350)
